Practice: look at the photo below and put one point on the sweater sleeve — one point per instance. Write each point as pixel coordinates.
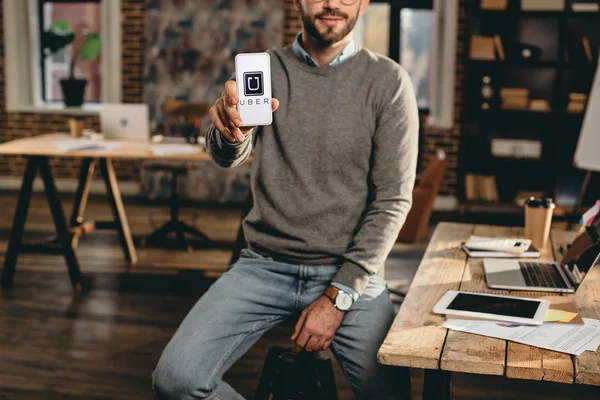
(224, 153)
(391, 182)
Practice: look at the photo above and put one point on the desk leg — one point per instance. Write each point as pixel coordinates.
(18, 226)
(60, 222)
(437, 385)
(83, 190)
(116, 204)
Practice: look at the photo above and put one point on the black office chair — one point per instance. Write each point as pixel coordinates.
(174, 225)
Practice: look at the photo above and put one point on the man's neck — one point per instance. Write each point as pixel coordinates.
(323, 55)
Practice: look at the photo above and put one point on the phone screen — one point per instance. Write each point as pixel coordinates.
(510, 307)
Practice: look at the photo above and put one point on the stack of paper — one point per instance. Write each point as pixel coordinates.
(565, 338)
(74, 144)
(514, 98)
(174, 149)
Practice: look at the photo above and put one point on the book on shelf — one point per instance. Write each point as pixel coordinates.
(514, 92)
(481, 188)
(482, 48)
(514, 98)
(516, 103)
(585, 7)
(578, 97)
(539, 105)
(494, 5)
(542, 5)
(586, 47)
(576, 107)
(471, 187)
(499, 47)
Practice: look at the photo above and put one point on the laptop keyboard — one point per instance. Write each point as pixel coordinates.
(541, 275)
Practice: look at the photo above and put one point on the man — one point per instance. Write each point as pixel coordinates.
(332, 181)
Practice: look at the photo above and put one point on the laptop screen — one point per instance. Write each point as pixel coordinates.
(581, 266)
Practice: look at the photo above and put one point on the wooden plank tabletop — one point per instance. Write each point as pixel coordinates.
(417, 338)
(42, 145)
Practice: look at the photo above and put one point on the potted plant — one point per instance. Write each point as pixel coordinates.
(60, 35)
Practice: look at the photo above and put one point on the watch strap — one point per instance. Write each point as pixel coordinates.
(332, 293)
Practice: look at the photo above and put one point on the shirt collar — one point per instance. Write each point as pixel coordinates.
(303, 56)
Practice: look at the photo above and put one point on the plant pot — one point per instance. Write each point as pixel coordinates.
(73, 91)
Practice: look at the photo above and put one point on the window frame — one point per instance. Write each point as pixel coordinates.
(39, 31)
(22, 71)
(395, 42)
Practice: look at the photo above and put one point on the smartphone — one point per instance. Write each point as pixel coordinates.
(253, 77)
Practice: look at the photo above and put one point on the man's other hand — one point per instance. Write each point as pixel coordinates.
(317, 326)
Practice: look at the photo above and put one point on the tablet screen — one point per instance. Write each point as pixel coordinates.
(494, 305)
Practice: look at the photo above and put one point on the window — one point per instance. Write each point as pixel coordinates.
(415, 50)
(33, 77)
(83, 17)
(403, 33)
(420, 35)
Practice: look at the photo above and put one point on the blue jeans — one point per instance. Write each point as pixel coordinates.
(255, 294)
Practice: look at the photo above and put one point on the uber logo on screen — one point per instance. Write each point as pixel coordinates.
(253, 84)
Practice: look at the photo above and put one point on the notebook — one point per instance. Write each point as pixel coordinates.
(531, 252)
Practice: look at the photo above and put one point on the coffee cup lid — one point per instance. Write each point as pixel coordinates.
(537, 202)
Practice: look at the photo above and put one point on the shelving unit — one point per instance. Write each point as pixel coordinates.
(562, 69)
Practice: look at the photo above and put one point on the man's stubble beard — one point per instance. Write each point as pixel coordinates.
(329, 37)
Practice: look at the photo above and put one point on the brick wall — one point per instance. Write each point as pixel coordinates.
(17, 125)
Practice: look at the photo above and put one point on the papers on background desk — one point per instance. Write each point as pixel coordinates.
(74, 144)
(174, 149)
(565, 338)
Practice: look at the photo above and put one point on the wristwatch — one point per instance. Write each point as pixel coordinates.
(341, 300)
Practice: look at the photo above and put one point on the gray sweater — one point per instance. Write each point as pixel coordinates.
(332, 176)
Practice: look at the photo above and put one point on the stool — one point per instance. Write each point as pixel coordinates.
(289, 376)
(176, 226)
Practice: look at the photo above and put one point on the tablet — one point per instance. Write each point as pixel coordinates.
(492, 307)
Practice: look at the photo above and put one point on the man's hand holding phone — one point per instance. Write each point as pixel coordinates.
(226, 118)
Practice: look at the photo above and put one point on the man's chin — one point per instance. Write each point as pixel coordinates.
(329, 36)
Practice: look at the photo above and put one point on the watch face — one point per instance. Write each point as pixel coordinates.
(343, 301)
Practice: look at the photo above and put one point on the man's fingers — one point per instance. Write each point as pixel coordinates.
(298, 326)
(326, 344)
(236, 132)
(303, 339)
(231, 95)
(216, 120)
(314, 344)
(234, 115)
(274, 104)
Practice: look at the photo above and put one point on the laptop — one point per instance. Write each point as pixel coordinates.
(541, 276)
(125, 121)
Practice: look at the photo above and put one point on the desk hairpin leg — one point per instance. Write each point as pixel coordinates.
(18, 226)
(116, 204)
(83, 190)
(64, 236)
(437, 385)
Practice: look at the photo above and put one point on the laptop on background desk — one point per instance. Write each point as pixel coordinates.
(125, 121)
(557, 277)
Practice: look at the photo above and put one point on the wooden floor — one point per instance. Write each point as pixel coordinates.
(105, 344)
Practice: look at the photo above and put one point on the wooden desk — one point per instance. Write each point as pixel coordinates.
(38, 150)
(418, 340)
